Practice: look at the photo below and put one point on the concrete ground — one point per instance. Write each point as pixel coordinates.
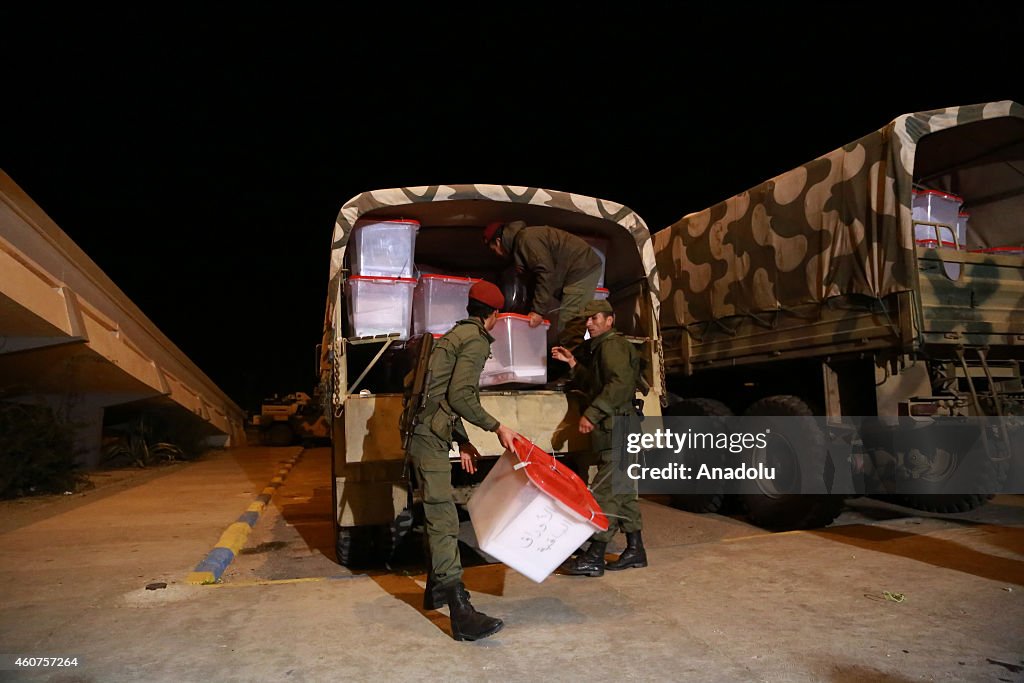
(721, 601)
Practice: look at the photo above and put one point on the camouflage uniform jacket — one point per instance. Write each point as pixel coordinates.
(609, 379)
(454, 390)
(554, 257)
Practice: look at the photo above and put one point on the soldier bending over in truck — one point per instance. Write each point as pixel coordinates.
(558, 261)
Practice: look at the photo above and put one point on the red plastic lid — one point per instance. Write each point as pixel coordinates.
(519, 316)
(438, 276)
(558, 482)
(933, 244)
(997, 250)
(411, 221)
(603, 290)
(381, 278)
(945, 195)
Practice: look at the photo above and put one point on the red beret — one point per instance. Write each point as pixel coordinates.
(491, 229)
(487, 293)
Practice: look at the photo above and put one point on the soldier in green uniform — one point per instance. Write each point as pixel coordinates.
(560, 262)
(453, 395)
(608, 383)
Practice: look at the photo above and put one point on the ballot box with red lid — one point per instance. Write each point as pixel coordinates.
(383, 248)
(439, 301)
(599, 245)
(519, 354)
(531, 512)
(379, 305)
(935, 216)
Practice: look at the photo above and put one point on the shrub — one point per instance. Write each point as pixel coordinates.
(36, 451)
(152, 438)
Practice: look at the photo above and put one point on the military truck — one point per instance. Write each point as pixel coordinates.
(808, 294)
(284, 420)
(364, 376)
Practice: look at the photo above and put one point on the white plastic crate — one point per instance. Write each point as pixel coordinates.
(600, 247)
(519, 354)
(379, 305)
(439, 301)
(532, 512)
(383, 248)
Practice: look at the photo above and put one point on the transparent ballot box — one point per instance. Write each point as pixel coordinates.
(962, 219)
(383, 248)
(600, 247)
(942, 209)
(519, 354)
(380, 305)
(439, 301)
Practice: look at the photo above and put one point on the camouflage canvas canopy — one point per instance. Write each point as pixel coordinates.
(841, 224)
(476, 205)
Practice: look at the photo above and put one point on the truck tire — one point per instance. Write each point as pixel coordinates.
(353, 546)
(401, 548)
(788, 511)
(984, 477)
(1013, 482)
(699, 407)
(279, 434)
(363, 547)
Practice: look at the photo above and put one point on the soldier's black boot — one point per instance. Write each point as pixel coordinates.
(634, 556)
(467, 623)
(589, 563)
(434, 596)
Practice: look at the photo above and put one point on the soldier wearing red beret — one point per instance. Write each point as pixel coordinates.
(453, 395)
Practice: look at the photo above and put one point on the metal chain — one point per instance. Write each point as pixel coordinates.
(661, 368)
(336, 361)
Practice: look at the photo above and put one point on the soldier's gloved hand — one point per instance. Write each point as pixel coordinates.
(586, 426)
(535, 318)
(469, 454)
(506, 436)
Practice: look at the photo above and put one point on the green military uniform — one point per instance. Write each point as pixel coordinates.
(452, 395)
(608, 382)
(559, 261)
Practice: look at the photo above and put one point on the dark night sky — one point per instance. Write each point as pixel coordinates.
(200, 156)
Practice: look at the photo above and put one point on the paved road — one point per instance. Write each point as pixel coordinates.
(722, 600)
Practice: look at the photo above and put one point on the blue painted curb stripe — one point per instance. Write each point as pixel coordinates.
(231, 541)
(216, 562)
(249, 518)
